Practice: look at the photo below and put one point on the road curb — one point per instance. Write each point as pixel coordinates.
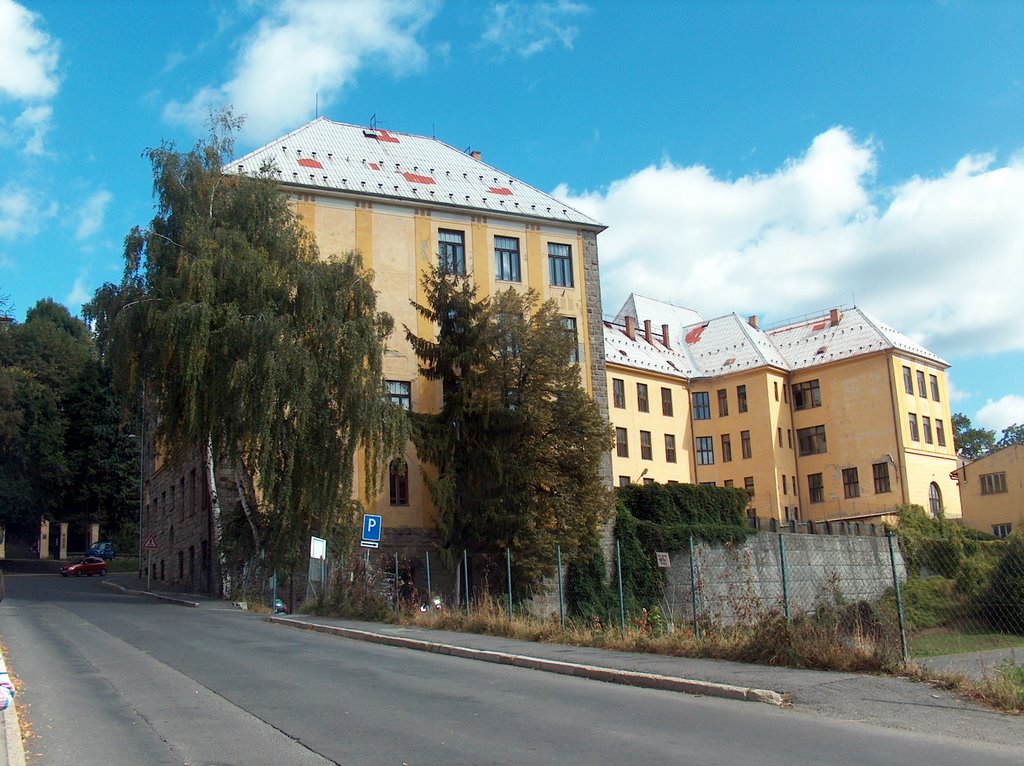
(13, 753)
(593, 672)
(157, 596)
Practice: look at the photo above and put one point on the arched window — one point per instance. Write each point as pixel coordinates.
(935, 499)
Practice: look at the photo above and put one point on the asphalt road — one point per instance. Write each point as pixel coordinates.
(117, 679)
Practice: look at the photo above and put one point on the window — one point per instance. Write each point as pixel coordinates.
(569, 325)
(624, 481)
(400, 393)
(851, 483)
(666, 402)
(881, 474)
(940, 433)
(726, 449)
(908, 381)
(621, 445)
(1001, 530)
(934, 381)
(701, 405)
(785, 484)
(648, 482)
(815, 488)
(723, 402)
(560, 264)
(796, 487)
(398, 482)
(806, 395)
(811, 441)
(670, 448)
(451, 248)
(748, 484)
(912, 420)
(935, 499)
(776, 384)
(705, 450)
(745, 444)
(779, 429)
(506, 259)
(926, 428)
(646, 453)
(785, 395)
(793, 514)
(741, 398)
(789, 438)
(993, 483)
(920, 383)
(728, 482)
(642, 403)
(619, 393)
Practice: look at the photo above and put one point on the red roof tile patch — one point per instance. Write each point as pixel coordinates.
(820, 326)
(415, 179)
(308, 163)
(694, 335)
(381, 135)
(500, 190)
(374, 166)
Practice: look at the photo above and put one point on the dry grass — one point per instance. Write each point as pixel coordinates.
(1002, 689)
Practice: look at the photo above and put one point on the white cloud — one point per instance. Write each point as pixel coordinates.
(938, 258)
(527, 28)
(308, 48)
(28, 75)
(79, 293)
(21, 212)
(90, 214)
(998, 414)
(28, 56)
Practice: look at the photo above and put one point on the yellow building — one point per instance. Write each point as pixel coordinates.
(404, 201)
(992, 491)
(834, 416)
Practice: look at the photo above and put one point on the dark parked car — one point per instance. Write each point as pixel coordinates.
(90, 565)
(104, 550)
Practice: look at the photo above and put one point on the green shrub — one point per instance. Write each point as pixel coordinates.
(929, 545)
(1004, 599)
(928, 602)
(587, 594)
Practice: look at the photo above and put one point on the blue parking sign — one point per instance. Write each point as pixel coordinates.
(371, 528)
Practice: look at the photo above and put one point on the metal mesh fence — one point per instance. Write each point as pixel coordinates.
(883, 596)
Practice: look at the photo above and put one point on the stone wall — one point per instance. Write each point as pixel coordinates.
(736, 581)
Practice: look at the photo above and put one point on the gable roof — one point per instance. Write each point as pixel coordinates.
(728, 344)
(335, 156)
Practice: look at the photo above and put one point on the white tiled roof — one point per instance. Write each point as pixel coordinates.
(348, 158)
(730, 344)
(815, 341)
(640, 354)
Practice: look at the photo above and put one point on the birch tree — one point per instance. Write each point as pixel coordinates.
(254, 348)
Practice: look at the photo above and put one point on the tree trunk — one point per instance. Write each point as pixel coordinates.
(245, 490)
(224, 583)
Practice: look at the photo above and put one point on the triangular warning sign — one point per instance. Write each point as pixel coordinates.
(150, 543)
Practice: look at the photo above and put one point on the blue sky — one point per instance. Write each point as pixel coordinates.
(767, 158)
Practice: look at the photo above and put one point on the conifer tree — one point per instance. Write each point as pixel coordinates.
(515, 451)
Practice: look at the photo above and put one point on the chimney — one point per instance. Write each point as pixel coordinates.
(631, 327)
(834, 316)
(475, 155)
(752, 321)
(647, 331)
(664, 336)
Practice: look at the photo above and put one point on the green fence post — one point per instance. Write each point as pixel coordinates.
(899, 597)
(622, 603)
(508, 572)
(561, 597)
(785, 575)
(430, 593)
(693, 591)
(465, 576)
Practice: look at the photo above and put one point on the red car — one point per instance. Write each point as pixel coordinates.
(90, 565)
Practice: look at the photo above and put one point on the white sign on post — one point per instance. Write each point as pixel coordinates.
(663, 560)
(317, 548)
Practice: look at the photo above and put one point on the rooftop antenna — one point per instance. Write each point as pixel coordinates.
(373, 121)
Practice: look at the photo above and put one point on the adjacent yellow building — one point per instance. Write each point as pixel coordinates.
(834, 416)
(992, 491)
